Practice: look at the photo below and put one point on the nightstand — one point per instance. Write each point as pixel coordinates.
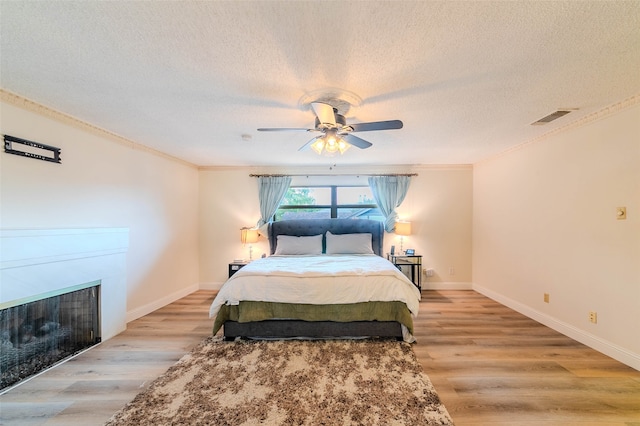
(236, 266)
(410, 265)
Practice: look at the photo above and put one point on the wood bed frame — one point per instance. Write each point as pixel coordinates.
(318, 329)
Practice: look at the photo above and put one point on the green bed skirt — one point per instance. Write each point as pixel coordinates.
(365, 311)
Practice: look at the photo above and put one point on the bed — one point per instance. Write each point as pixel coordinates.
(325, 278)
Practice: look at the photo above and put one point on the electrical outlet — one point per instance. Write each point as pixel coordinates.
(546, 298)
(452, 270)
(428, 272)
(593, 317)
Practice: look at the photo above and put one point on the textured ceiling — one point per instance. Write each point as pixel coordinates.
(190, 78)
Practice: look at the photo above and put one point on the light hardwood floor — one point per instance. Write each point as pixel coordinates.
(489, 364)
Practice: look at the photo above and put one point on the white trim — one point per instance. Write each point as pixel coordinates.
(447, 285)
(160, 303)
(614, 351)
(32, 106)
(29, 247)
(597, 115)
(41, 261)
(322, 170)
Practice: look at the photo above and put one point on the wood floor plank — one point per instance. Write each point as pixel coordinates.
(489, 364)
(494, 366)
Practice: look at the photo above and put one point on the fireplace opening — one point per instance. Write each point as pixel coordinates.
(44, 330)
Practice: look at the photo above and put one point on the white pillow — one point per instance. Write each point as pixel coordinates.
(289, 244)
(349, 243)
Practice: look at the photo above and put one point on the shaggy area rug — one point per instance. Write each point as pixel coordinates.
(291, 382)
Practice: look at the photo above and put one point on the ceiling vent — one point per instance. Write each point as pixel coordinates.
(549, 118)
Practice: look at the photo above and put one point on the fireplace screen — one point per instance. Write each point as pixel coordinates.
(39, 333)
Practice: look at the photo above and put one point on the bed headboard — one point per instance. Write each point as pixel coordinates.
(308, 227)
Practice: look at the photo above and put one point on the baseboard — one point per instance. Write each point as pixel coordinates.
(211, 286)
(614, 351)
(157, 304)
(447, 285)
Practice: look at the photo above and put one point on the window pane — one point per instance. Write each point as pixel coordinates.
(316, 203)
(362, 213)
(288, 214)
(307, 196)
(355, 195)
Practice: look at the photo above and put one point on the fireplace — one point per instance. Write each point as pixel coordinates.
(36, 334)
(82, 271)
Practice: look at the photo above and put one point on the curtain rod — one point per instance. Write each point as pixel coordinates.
(333, 174)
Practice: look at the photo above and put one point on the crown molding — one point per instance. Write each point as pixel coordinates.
(32, 106)
(590, 118)
(338, 170)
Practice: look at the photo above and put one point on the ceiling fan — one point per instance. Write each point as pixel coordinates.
(336, 133)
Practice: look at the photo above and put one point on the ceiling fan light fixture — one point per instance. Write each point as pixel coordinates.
(343, 146)
(318, 145)
(336, 134)
(335, 144)
(329, 145)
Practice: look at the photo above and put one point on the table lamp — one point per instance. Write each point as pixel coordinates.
(249, 236)
(403, 229)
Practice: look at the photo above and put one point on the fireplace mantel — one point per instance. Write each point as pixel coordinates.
(39, 261)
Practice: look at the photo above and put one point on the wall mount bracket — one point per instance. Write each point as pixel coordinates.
(36, 150)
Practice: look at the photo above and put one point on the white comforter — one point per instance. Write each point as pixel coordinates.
(313, 280)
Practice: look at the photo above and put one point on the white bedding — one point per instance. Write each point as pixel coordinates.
(312, 280)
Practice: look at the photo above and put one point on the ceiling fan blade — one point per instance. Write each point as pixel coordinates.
(308, 144)
(324, 112)
(284, 129)
(356, 141)
(376, 125)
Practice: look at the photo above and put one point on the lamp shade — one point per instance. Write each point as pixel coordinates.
(248, 235)
(330, 143)
(403, 228)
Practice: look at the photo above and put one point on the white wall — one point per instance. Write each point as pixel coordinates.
(102, 183)
(544, 221)
(40, 263)
(439, 205)
(228, 202)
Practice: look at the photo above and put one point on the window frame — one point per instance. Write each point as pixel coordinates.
(333, 207)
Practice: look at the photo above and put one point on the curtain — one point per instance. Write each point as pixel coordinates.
(389, 192)
(271, 191)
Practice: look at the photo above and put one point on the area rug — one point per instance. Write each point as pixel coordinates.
(291, 382)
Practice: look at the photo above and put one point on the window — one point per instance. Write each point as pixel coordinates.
(324, 202)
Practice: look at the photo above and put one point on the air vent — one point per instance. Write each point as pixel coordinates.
(549, 118)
